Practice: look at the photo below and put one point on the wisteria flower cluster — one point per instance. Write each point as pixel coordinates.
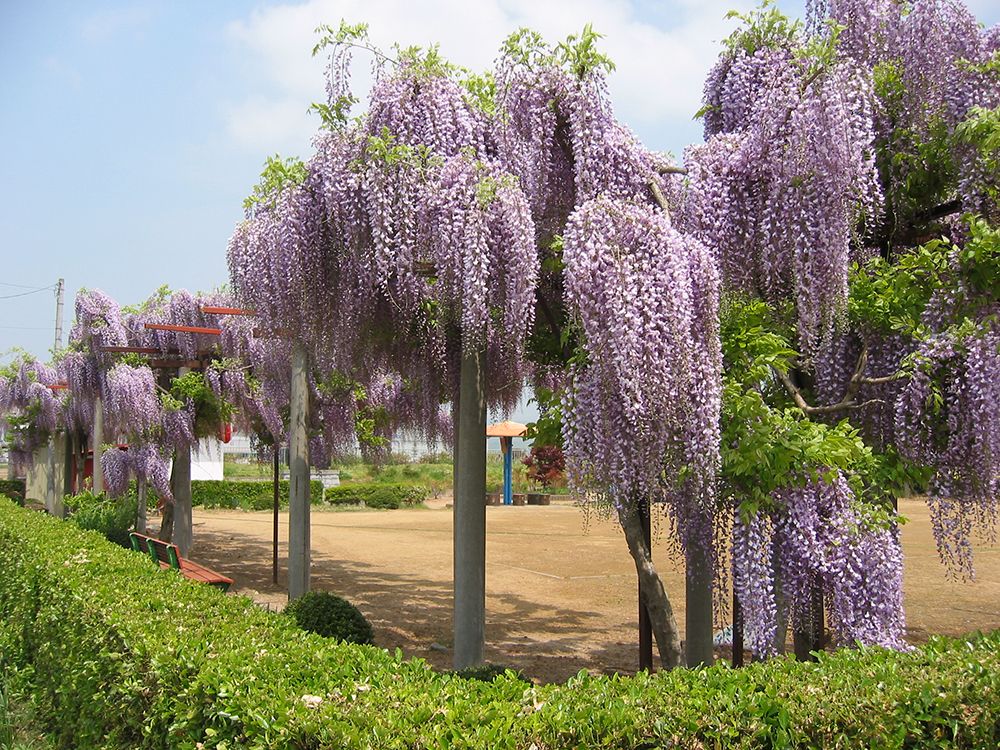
(819, 535)
(644, 400)
(29, 408)
(786, 178)
(406, 243)
(933, 61)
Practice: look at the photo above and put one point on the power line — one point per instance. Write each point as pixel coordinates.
(23, 328)
(25, 286)
(25, 294)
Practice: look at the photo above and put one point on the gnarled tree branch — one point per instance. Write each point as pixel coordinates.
(659, 197)
(849, 401)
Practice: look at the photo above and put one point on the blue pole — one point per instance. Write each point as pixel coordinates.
(507, 445)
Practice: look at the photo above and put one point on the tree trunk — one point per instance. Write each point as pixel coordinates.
(808, 635)
(140, 513)
(166, 523)
(80, 448)
(654, 596)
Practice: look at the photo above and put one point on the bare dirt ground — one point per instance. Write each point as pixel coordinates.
(560, 589)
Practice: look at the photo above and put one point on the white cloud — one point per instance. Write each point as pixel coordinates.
(658, 79)
(268, 126)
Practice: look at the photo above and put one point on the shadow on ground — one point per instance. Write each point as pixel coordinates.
(415, 614)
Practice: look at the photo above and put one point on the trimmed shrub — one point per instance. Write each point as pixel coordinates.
(14, 489)
(489, 673)
(114, 653)
(331, 616)
(389, 496)
(226, 493)
(114, 518)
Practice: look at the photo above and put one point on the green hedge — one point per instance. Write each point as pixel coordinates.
(114, 653)
(14, 489)
(212, 493)
(377, 495)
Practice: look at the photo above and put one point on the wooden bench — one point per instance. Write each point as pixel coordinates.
(167, 556)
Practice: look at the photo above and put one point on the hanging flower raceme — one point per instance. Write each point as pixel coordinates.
(934, 62)
(29, 408)
(131, 402)
(818, 535)
(180, 308)
(98, 323)
(645, 397)
(151, 464)
(947, 417)
(421, 105)
(559, 136)
(116, 470)
(786, 179)
(403, 243)
(147, 464)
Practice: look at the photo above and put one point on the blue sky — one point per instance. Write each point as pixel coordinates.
(132, 131)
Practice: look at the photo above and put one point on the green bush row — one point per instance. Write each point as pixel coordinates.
(14, 489)
(225, 493)
(115, 653)
(377, 495)
(114, 518)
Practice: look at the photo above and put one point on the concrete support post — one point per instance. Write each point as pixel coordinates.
(298, 485)
(274, 516)
(56, 488)
(470, 514)
(698, 630)
(183, 534)
(98, 445)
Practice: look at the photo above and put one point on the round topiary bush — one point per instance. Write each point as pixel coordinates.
(330, 616)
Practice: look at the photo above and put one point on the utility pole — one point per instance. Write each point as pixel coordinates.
(60, 292)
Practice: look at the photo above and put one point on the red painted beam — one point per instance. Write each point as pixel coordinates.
(58, 386)
(183, 329)
(224, 310)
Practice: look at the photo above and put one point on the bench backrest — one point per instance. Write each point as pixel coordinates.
(159, 551)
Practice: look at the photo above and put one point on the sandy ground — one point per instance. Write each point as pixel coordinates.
(561, 588)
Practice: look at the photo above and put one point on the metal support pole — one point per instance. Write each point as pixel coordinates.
(470, 514)
(277, 508)
(645, 626)
(298, 484)
(507, 445)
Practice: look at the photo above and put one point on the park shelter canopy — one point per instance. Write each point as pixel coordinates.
(507, 431)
